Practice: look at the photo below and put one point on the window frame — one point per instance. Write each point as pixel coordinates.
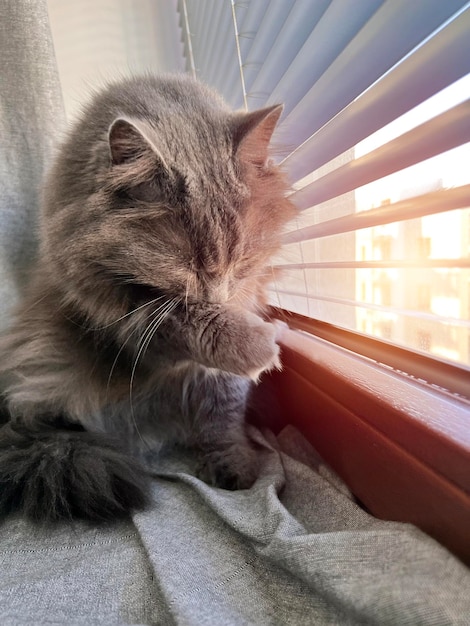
(449, 378)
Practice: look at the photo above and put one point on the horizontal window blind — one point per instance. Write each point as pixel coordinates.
(375, 137)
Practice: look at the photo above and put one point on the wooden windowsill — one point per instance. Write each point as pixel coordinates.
(402, 448)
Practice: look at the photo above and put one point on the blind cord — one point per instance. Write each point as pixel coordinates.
(239, 54)
(188, 35)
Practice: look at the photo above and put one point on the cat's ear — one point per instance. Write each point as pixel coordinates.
(128, 142)
(252, 133)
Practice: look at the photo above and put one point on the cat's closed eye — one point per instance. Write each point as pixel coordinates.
(148, 191)
(161, 189)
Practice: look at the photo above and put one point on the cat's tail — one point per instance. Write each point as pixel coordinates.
(50, 473)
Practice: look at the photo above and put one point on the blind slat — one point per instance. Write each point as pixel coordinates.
(420, 264)
(268, 29)
(217, 26)
(328, 40)
(380, 307)
(197, 17)
(441, 61)
(392, 32)
(411, 208)
(299, 25)
(441, 133)
(223, 55)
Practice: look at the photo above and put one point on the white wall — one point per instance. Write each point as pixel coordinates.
(99, 40)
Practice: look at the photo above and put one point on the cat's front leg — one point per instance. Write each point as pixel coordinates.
(215, 407)
(229, 339)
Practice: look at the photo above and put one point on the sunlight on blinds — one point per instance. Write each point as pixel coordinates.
(377, 121)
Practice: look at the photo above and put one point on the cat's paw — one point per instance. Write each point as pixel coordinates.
(248, 347)
(233, 469)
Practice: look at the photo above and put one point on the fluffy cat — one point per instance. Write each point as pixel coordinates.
(142, 322)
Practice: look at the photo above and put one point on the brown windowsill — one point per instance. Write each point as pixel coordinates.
(402, 448)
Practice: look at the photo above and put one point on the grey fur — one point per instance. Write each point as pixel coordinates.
(143, 318)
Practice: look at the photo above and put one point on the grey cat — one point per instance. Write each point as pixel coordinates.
(143, 320)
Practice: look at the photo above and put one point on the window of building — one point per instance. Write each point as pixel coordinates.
(424, 247)
(424, 297)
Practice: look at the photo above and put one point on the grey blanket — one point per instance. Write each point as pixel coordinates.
(293, 549)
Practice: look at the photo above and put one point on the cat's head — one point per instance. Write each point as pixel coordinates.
(184, 203)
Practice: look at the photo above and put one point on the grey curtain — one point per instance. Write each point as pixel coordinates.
(31, 120)
(293, 549)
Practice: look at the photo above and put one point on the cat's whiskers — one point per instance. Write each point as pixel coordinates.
(188, 278)
(34, 304)
(136, 329)
(130, 313)
(118, 319)
(196, 295)
(149, 331)
(242, 291)
(164, 310)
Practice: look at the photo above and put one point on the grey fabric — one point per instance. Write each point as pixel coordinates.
(294, 549)
(31, 119)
